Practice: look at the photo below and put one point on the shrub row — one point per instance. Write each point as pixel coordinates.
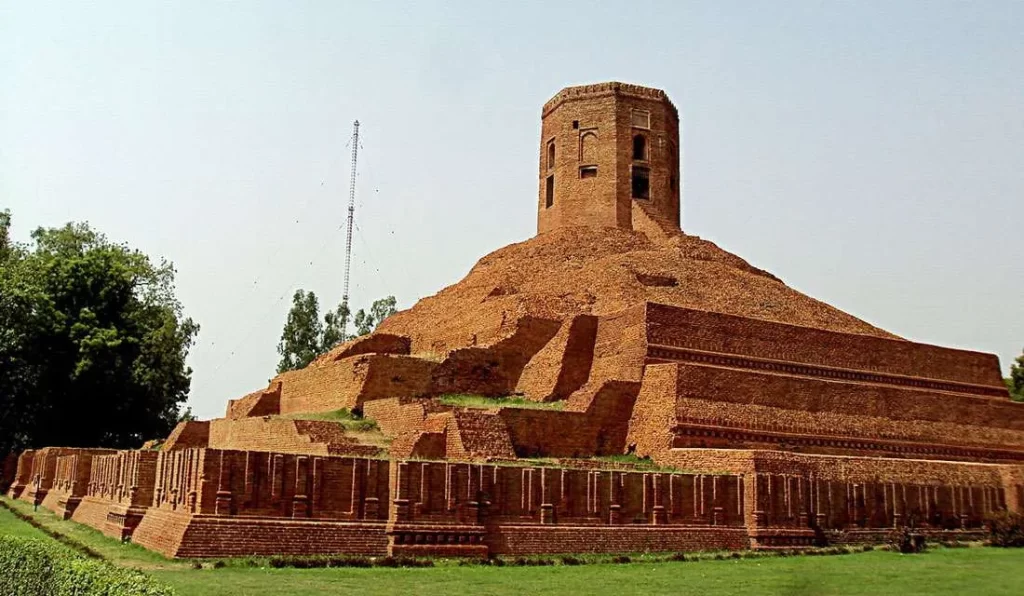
(316, 562)
(31, 567)
(572, 560)
(1005, 528)
(905, 540)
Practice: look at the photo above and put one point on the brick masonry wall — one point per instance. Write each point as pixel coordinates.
(162, 531)
(350, 382)
(515, 540)
(396, 415)
(620, 347)
(592, 126)
(311, 437)
(71, 480)
(563, 365)
(22, 475)
(654, 418)
(93, 511)
(722, 333)
(790, 410)
(218, 537)
(600, 429)
(463, 493)
(495, 369)
(225, 503)
(187, 435)
(265, 402)
(476, 434)
(44, 472)
(120, 489)
(375, 343)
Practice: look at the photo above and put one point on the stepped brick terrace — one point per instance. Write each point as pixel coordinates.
(669, 396)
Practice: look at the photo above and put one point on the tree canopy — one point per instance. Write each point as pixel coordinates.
(93, 342)
(1015, 382)
(305, 337)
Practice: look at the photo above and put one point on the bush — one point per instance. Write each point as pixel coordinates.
(31, 567)
(362, 562)
(905, 540)
(1005, 528)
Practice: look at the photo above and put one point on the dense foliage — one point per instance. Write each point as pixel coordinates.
(906, 540)
(305, 337)
(92, 342)
(30, 567)
(1005, 528)
(1015, 382)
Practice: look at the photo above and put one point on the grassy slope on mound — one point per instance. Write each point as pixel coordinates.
(480, 401)
(344, 417)
(939, 571)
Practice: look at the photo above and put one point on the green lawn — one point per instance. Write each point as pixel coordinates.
(939, 571)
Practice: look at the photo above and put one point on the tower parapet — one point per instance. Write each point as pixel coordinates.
(603, 147)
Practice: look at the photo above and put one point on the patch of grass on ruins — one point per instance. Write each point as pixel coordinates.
(346, 418)
(939, 571)
(511, 401)
(632, 460)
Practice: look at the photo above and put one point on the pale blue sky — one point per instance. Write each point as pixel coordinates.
(871, 154)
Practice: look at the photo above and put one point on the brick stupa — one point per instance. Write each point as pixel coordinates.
(746, 414)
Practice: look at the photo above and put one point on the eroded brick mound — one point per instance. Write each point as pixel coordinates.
(267, 433)
(573, 271)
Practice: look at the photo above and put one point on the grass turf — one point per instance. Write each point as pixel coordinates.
(942, 571)
(480, 401)
(939, 571)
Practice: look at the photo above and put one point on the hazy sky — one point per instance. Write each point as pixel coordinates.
(871, 154)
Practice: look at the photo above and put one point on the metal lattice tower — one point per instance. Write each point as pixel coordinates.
(351, 215)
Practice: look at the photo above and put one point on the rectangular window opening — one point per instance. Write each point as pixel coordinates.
(588, 171)
(549, 191)
(575, 124)
(640, 118)
(641, 183)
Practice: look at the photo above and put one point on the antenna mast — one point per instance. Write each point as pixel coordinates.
(351, 214)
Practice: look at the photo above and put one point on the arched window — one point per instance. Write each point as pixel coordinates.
(639, 147)
(551, 154)
(588, 148)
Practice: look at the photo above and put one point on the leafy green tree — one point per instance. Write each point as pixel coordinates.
(381, 309)
(1015, 382)
(334, 327)
(304, 337)
(5, 238)
(93, 342)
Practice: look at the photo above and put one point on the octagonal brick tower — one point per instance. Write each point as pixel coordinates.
(604, 147)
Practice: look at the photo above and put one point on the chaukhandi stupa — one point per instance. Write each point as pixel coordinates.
(672, 397)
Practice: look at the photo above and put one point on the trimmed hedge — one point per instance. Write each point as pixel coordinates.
(30, 567)
(1005, 528)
